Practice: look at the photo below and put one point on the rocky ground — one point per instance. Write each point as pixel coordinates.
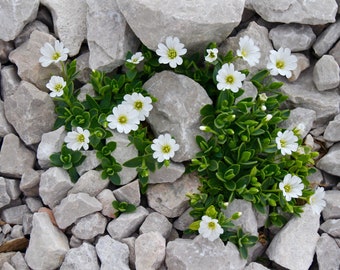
(47, 222)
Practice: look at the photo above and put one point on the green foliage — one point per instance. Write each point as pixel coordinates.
(123, 207)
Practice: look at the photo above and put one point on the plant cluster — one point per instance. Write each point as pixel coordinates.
(246, 155)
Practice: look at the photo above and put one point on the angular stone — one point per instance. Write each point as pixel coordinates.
(90, 226)
(183, 221)
(19, 262)
(14, 215)
(300, 116)
(296, 37)
(332, 209)
(47, 246)
(113, 254)
(153, 21)
(326, 73)
(331, 133)
(294, 245)
(167, 174)
(108, 51)
(176, 113)
(13, 189)
(14, 15)
(83, 66)
(327, 39)
(31, 112)
(27, 31)
(33, 204)
(27, 221)
(26, 57)
(255, 266)
(156, 222)
(15, 158)
(201, 253)
(130, 242)
(81, 258)
(91, 161)
(285, 11)
(90, 183)
(69, 20)
(106, 198)
(6, 257)
(29, 183)
(122, 153)
(330, 162)
(335, 52)
(9, 81)
(170, 199)
(129, 193)
(75, 206)
(4, 197)
(17, 232)
(127, 223)
(149, 250)
(5, 127)
(7, 266)
(332, 227)
(58, 180)
(327, 253)
(51, 142)
(302, 64)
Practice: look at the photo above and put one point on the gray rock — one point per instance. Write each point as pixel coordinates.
(255, 266)
(19, 262)
(183, 221)
(316, 178)
(296, 37)
(6, 229)
(17, 232)
(247, 221)
(106, 198)
(81, 258)
(6, 257)
(302, 64)
(332, 209)
(4, 197)
(90, 226)
(130, 242)
(91, 161)
(27, 223)
(129, 193)
(294, 245)
(167, 174)
(9, 81)
(50, 143)
(33, 203)
(327, 39)
(200, 253)
(326, 73)
(113, 254)
(14, 15)
(75, 242)
(75, 206)
(90, 183)
(5, 127)
(327, 253)
(330, 162)
(195, 25)
(26, 57)
(15, 158)
(5, 49)
(7, 266)
(156, 222)
(69, 21)
(332, 227)
(170, 199)
(47, 246)
(149, 251)
(58, 180)
(335, 52)
(83, 66)
(31, 112)
(309, 12)
(331, 133)
(30, 181)
(14, 215)
(176, 113)
(27, 31)
(13, 189)
(127, 223)
(108, 51)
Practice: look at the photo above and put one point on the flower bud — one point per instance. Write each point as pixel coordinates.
(263, 97)
(263, 108)
(268, 117)
(236, 215)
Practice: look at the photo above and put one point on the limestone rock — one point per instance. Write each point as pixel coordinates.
(31, 112)
(15, 158)
(69, 20)
(14, 215)
(302, 64)
(90, 226)
(195, 25)
(91, 161)
(167, 174)
(4, 197)
(27, 31)
(328, 253)
(326, 73)
(327, 39)
(331, 133)
(156, 222)
(47, 246)
(9, 81)
(129, 193)
(255, 266)
(5, 127)
(19, 262)
(332, 209)
(335, 52)
(108, 51)
(332, 227)
(5, 49)
(29, 183)
(183, 221)
(176, 113)
(106, 198)
(13, 189)
(14, 15)
(330, 162)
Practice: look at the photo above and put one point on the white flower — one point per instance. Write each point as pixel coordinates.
(317, 200)
(282, 62)
(53, 54)
(286, 142)
(228, 78)
(56, 84)
(171, 52)
(136, 58)
(268, 117)
(299, 129)
(263, 97)
(211, 55)
(249, 51)
(139, 103)
(164, 147)
(209, 228)
(78, 139)
(291, 186)
(123, 118)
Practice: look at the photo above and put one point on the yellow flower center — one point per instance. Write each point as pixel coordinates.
(212, 225)
(211, 55)
(230, 79)
(138, 105)
(166, 149)
(81, 138)
(283, 143)
(172, 53)
(56, 56)
(122, 119)
(244, 53)
(58, 87)
(287, 188)
(280, 64)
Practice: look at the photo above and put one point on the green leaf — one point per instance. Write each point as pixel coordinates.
(195, 225)
(134, 162)
(230, 185)
(55, 160)
(211, 212)
(115, 179)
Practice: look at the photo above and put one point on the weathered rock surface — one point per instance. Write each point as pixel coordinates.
(330, 162)
(326, 73)
(328, 253)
